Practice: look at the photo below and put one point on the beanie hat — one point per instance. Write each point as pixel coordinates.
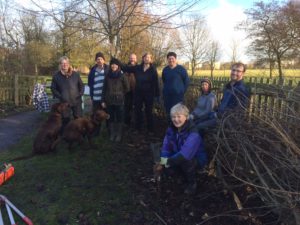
(99, 54)
(115, 61)
(207, 81)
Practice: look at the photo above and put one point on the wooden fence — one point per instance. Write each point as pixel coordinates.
(18, 89)
(266, 93)
(268, 96)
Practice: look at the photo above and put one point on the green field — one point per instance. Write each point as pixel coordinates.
(251, 72)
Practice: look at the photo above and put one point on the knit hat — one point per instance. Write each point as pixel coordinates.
(207, 81)
(99, 54)
(115, 61)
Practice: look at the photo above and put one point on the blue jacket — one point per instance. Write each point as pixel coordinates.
(176, 80)
(186, 143)
(235, 97)
(91, 78)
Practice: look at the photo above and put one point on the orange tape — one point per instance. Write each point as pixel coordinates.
(6, 173)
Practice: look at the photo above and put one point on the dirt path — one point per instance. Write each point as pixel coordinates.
(13, 128)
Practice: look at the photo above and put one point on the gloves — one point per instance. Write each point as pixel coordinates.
(164, 161)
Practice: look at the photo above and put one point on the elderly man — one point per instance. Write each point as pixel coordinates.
(175, 82)
(128, 104)
(235, 94)
(68, 87)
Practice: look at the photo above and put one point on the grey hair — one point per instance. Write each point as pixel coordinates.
(63, 58)
(180, 109)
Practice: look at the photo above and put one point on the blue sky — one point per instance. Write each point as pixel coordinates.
(222, 17)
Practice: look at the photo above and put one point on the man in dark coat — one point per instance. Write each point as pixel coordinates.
(67, 86)
(235, 94)
(146, 90)
(128, 104)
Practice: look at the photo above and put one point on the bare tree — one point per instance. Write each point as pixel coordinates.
(113, 16)
(274, 28)
(234, 50)
(36, 48)
(161, 42)
(11, 38)
(196, 39)
(264, 55)
(214, 55)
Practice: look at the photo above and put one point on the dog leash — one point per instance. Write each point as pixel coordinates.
(9, 208)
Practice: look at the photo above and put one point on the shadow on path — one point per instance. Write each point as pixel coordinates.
(13, 128)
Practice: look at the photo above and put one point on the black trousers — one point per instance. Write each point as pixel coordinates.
(141, 100)
(187, 168)
(128, 107)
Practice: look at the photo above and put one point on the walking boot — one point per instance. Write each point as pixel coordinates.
(119, 127)
(189, 169)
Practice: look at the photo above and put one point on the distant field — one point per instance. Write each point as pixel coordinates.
(289, 73)
(251, 72)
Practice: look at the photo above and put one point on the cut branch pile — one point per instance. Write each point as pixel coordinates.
(262, 152)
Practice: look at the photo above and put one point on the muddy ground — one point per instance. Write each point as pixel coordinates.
(213, 204)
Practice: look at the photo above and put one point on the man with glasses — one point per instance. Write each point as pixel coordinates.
(235, 94)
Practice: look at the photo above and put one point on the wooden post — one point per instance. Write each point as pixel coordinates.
(16, 89)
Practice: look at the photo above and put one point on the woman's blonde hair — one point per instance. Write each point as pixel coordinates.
(180, 109)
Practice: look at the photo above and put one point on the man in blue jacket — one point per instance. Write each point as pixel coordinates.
(175, 82)
(235, 94)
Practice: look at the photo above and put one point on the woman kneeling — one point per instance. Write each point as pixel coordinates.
(183, 147)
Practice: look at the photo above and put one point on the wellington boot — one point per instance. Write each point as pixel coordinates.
(119, 128)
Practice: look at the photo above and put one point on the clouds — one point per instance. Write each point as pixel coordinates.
(222, 20)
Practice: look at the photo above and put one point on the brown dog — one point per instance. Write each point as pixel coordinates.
(78, 129)
(47, 136)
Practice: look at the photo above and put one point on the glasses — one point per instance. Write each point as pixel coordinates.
(239, 71)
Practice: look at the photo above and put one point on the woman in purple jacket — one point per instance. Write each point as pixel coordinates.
(183, 146)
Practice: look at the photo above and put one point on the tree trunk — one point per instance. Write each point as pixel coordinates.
(193, 67)
(211, 72)
(271, 69)
(112, 50)
(280, 70)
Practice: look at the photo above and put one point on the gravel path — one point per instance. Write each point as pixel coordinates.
(14, 127)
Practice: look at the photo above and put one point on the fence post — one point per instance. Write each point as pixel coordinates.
(16, 89)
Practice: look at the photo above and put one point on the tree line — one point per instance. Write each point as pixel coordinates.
(33, 38)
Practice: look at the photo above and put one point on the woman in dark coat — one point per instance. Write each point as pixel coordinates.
(146, 90)
(115, 87)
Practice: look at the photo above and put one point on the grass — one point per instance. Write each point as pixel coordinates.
(251, 73)
(60, 188)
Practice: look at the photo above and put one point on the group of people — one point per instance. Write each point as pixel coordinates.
(121, 88)
(183, 144)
